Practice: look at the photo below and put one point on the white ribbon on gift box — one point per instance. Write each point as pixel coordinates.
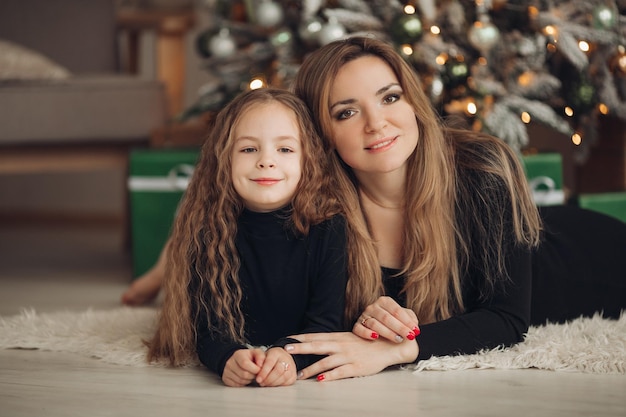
(176, 180)
(548, 196)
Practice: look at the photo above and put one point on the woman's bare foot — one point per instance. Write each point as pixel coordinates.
(144, 289)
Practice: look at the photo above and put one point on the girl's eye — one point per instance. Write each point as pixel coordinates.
(344, 114)
(284, 150)
(248, 150)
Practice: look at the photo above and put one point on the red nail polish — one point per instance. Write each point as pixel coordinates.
(321, 377)
(374, 335)
(410, 336)
(417, 331)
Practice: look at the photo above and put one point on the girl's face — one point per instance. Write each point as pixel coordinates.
(373, 126)
(266, 157)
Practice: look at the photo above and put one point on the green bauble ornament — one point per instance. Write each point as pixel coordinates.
(604, 17)
(309, 30)
(456, 72)
(406, 29)
(583, 96)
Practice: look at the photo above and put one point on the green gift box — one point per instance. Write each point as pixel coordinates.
(156, 183)
(544, 172)
(612, 204)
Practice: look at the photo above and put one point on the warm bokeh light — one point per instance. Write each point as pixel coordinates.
(603, 108)
(409, 9)
(407, 49)
(577, 139)
(525, 78)
(584, 46)
(525, 117)
(549, 30)
(568, 111)
(256, 83)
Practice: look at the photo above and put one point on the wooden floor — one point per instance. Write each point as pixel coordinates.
(62, 268)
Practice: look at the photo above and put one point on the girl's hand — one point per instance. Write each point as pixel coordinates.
(242, 367)
(387, 319)
(279, 369)
(349, 355)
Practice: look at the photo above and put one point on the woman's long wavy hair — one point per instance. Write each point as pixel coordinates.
(201, 277)
(437, 247)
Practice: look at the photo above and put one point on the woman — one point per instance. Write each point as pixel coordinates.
(452, 223)
(465, 258)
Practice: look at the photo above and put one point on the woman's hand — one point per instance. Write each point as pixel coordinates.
(349, 355)
(387, 319)
(242, 367)
(279, 369)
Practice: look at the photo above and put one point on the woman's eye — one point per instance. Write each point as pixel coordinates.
(345, 114)
(391, 98)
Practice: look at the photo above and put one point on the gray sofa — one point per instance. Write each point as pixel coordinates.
(70, 109)
(92, 105)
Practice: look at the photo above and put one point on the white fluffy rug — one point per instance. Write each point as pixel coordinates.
(593, 345)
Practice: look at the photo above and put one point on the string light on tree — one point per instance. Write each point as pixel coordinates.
(561, 61)
(257, 83)
(617, 64)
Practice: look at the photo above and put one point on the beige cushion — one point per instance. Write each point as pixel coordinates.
(20, 63)
(80, 109)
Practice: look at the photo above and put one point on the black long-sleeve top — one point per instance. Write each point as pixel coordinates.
(578, 269)
(291, 285)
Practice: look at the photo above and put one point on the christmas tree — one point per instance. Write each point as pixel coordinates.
(497, 63)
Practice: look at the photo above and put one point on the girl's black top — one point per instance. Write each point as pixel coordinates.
(291, 285)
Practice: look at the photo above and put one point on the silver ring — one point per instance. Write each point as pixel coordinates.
(285, 366)
(364, 320)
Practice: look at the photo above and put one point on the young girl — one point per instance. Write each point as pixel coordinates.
(257, 251)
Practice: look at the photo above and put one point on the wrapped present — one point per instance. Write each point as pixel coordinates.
(612, 204)
(157, 181)
(545, 178)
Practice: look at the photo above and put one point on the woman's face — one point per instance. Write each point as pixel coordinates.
(373, 126)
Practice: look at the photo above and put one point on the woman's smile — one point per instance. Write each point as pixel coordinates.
(383, 144)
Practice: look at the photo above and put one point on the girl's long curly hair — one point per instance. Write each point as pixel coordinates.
(201, 277)
(438, 245)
